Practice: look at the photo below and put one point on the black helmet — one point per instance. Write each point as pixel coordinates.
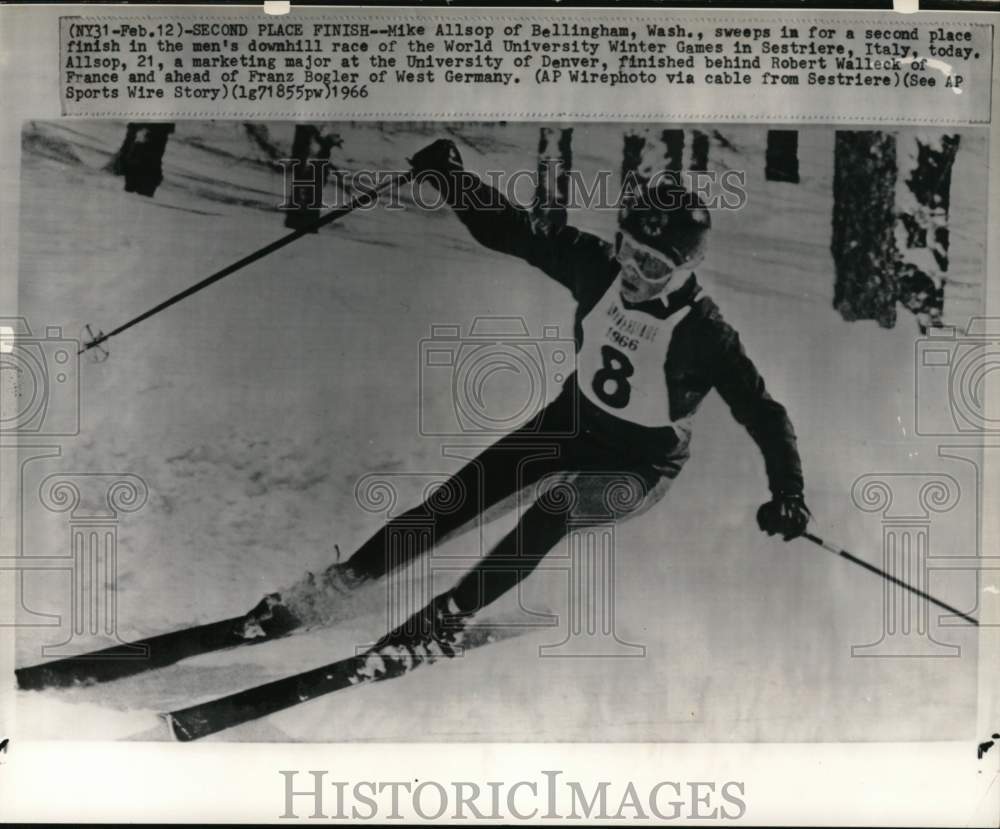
(666, 216)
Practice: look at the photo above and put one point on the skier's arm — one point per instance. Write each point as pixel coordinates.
(494, 222)
(741, 386)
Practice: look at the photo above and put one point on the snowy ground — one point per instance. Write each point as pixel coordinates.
(252, 410)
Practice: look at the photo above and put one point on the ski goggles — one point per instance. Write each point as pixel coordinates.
(653, 265)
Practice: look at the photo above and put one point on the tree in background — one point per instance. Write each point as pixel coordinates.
(140, 157)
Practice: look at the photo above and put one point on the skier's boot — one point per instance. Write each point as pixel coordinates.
(270, 618)
(313, 601)
(437, 630)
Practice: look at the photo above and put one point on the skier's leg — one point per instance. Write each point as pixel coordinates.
(512, 463)
(577, 500)
(438, 629)
(502, 470)
(509, 465)
(510, 561)
(317, 599)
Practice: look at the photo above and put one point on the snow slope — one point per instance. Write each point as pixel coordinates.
(252, 411)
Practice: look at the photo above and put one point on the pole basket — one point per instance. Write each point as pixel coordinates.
(93, 345)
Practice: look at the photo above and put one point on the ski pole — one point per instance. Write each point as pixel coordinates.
(359, 201)
(815, 539)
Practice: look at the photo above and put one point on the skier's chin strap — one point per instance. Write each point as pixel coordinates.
(664, 306)
(686, 294)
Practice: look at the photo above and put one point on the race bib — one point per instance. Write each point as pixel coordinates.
(620, 364)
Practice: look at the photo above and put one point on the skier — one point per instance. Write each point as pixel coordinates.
(650, 346)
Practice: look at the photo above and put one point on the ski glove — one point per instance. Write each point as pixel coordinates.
(784, 515)
(441, 157)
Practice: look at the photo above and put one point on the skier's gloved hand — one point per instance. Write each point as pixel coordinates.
(786, 515)
(441, 156)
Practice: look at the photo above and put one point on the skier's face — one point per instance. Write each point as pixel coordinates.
(645, 273)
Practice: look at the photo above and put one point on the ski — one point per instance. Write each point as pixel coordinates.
(132, 658)
(221, 713)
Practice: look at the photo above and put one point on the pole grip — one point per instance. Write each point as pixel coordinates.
(819, 542)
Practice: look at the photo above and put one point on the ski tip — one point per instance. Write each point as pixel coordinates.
(41, 677)
(24, 680)
(176, 729)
